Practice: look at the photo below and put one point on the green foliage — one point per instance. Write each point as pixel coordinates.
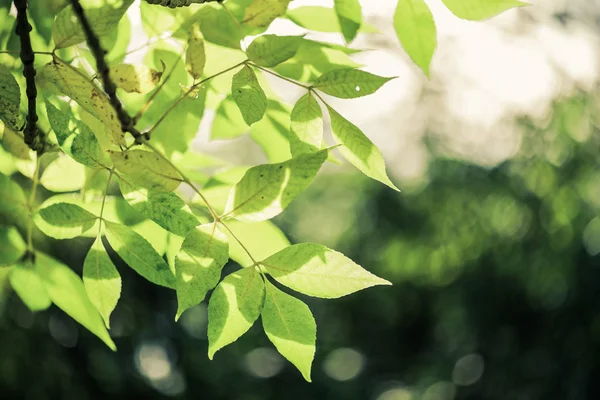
(149, 222)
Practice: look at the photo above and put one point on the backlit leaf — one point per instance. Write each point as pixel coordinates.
(349, 83)
(233, 307)
(14, 143)
(10, 100)
(306, 130)
(291, 327)
(195, 55)
(54, 175)
(228, 122)
(248, 95)
(134, 78)
(101, 280)
(146, 169)
(261, 239)
(29, 286)
(64, 220)
(477, 10)
(260, 13)
(271, 50)
(198, 265)
(218, 27)
(416, 31)
(321, 19)
(349, 15)
(12, 246)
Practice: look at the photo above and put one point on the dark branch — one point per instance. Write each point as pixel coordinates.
(31, 133)
(179, 3)
(110, 88)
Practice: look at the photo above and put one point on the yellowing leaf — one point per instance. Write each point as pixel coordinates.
(477, 10)
(10, 100)
(103, 16)
(145, 169)
(265, 190)
(233, 307)
(64, 220)
(248, 95)
(260, 13)
(306, 130)
(134, 78)
(416, 31)
(358, 149)
(291, 327)
(195, 55)
(349, 14)
(349, 83)
(317, 271)
(101, 280)
(75, 84)
(271, 50)
(198, 265)
(29, 286)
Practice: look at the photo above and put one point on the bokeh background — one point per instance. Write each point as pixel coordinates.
(492, 245)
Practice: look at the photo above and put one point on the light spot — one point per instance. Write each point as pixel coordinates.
(194, 321)
(440, 391)
(152, 361)
(343, 364)
(468, 370)
(263, 362)
(396, 393)
(357, 88)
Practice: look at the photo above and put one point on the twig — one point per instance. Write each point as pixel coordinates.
(268, 71)
(109, 86)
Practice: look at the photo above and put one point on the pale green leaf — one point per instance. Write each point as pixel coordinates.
(261, 239)
(195, 55)
(271, 50)
(349, 83)
(228, 122)
(260, 13)
(198, 265)
(146, 169)
(14, 203)
(248, 95)
(317, 271)
(29, 286)
(272, 133)
(14, 143)
(265, 190)
(101, 280)
(63, 175)
(218, 27)
(416, 31)
(358, 148)
(306, 129)
(103, 16)
(76, 138)
(67, 292)
(291, 327)
(10, 100)
(134, 78)
(139, 255)
(64, 220)
(12, 246)
(78, 86)
(233, 307)
(321, 19)
(477, 10)
(167, 209)
(349, 15)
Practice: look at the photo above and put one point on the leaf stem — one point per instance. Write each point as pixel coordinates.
(34, 185)
(48, 53)
(237, 240)
(268, 71)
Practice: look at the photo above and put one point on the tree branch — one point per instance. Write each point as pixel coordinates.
(110, 88)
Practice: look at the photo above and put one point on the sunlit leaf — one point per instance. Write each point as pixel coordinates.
(228, 122)
(233, 307)
(14, 143)
(261, 239)
(101, 280)
(306, 130)
(272, 132)
(146, 169)
(416, 31)
(219, 27)
(291, 327)
(195, 55)
(12, 246)
(54, 175)
(349, 15)
(260, 13)
(358, 148)
(349, 83)
(271, 50)
(265, 190)
(64, 220)
(139, 255)
(198, 265)
(477, 10)
(10, 100)
(135, 78)
(14, 202)
(27, 283)
(321, 19)
(103, 16)
(67, 292)
(248, 95)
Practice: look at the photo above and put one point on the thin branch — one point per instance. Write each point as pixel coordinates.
(239, 241)
(268, 71)
(109, 86)
(48, 53)
(110, 175)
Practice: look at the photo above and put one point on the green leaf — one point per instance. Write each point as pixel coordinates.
(306, 130)
(198, 265)
(76, 138)
(13, 201)
(265, 190)
(248, 95)
(165, 208)
(134, 78)
(139, 255)
(219, 27)
(272, 133)
(349, 83)
(271, 50)
(14, 143)
(146, 169)
(477, 10)
(358, 149)
(349, 15)
(228, 122)
(195, 55)
(416, 31)
(78, 86)
(321, 19)
(12, 246)
(233, 308)
(103, 16)
(101, 280)
(54, 175)
(64, 220)
(260, 13)
(29, 286)
(317, 271)
(68, 293)
(291, 327)
(261, 239)
(10, 100)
